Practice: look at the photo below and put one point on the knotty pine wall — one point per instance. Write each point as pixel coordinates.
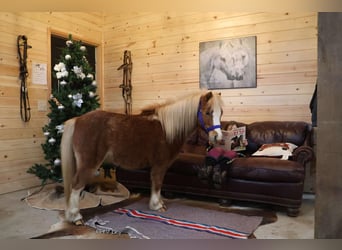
(20, 142)
(164, 48)
(165, 53)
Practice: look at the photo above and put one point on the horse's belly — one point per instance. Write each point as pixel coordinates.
(131, 158)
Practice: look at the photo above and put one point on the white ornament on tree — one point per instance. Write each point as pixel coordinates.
(79, 72)
(78, 100)
(52, 140)
(69, 43)
(60, 128)
(57, 162)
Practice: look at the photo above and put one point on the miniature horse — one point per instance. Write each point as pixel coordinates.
(151, 139)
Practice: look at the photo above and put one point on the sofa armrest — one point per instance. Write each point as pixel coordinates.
(303, 154)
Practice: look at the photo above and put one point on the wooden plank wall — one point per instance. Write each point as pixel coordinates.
(165, 64)
(165, 49)
(20, 142)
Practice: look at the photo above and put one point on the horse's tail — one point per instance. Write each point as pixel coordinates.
(68, 158)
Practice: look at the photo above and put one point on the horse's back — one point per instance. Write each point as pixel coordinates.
(110, 122)
(129, 141)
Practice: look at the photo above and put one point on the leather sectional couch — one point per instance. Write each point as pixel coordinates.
(258, 179)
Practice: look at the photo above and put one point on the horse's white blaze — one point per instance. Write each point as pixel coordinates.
(217, 120)
(217, 112)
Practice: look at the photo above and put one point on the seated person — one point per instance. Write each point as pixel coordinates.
(218, 159)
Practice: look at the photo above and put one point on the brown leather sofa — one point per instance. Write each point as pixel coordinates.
(258, 179)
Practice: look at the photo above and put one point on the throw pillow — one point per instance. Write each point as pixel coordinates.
(276, 149)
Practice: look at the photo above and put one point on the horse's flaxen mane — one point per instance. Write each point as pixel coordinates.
(178, 118)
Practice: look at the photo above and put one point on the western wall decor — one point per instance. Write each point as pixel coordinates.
(25, 109)
(126, 81)
(228, 64)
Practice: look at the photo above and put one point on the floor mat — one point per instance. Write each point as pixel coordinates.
(51, 197)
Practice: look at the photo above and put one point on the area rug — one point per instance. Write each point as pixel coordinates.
(99, 227)
(51, 197)
(180, 221)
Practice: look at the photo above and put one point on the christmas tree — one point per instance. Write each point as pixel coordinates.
(75, 95)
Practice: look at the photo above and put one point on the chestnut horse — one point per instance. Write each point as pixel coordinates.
(150, 139)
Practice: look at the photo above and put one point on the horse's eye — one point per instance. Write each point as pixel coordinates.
(208, 113)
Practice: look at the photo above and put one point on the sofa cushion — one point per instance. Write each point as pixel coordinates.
(266, 169)
(283, 149)
(274, 131)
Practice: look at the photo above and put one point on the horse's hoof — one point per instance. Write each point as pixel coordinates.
(79, 222)
(162, 209)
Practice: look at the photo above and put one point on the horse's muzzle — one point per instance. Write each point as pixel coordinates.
(215, 137)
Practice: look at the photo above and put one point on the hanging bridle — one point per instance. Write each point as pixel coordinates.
(126, 81)
(25, 110)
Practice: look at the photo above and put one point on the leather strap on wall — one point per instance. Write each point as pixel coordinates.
(126, 82)
(25, 110)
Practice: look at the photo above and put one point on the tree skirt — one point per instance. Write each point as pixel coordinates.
(51, 197)
(178, 222)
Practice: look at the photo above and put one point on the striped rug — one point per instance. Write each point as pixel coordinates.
(180, 221)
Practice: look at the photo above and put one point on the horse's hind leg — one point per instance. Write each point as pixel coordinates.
(157, 178)
(72, 212)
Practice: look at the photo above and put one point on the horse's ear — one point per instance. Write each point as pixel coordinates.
(148, 111)
(208, 96)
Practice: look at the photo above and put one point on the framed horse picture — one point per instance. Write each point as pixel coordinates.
(228, 64)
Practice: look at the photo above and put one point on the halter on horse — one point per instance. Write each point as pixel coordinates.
(151, 139)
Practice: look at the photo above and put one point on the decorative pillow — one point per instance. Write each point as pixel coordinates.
(276, 149)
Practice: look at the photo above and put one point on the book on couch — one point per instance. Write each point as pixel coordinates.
(234, 139)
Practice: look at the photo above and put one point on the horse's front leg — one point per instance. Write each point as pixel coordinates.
(157, 177)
